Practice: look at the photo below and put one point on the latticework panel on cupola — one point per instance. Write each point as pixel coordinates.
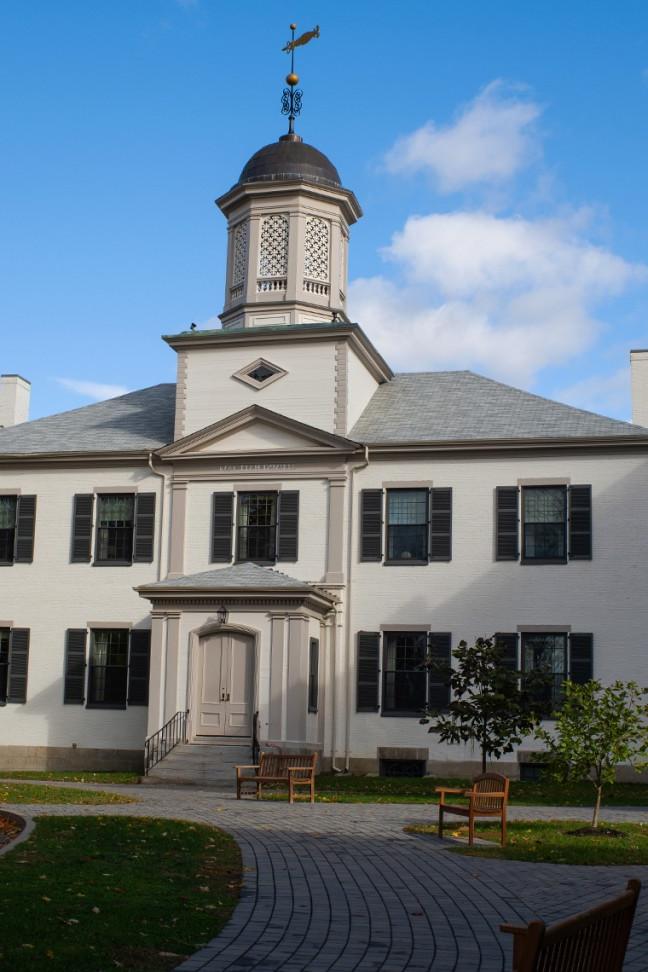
(316, 249)
(240, 253)
(273, 249)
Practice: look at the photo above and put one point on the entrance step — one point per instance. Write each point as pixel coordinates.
(201, 764)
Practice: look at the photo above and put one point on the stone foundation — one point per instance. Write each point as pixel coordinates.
(39, 758)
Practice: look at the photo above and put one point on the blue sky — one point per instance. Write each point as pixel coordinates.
(499, 151)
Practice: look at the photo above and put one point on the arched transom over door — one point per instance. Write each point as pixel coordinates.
(225, 676)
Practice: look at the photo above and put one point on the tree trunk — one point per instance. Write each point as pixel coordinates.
(597, 807)
(483, 759)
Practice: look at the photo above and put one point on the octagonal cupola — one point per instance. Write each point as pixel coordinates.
(288, 230)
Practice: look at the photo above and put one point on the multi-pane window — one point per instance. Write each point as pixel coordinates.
(546, 652)
(4, 663)
(257, 527)
(405, 673)
(108, 674)
(115, 521)
(313, 675)
(407, 524)
(8, 509)
(544, 530)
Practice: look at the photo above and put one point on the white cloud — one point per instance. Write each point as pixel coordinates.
(508, 296)
(92, 389)
(609, 394)
(492, 139)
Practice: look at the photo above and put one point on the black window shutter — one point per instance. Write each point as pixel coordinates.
(371, 524)
(581, 650)
(75, 666)
(313, 675)
(18, 664)
(25, 525)
(288, 525)
(144, 539)
(508, 645)
(580, 522)
(440, 653)
(441, 524)
(222, 523)
(368, 671)
(82, 528)
(507, 517)
(138, 669)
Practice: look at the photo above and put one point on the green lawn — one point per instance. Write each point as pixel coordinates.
(69, 776)
(32, 793)
(340, 788)
(550, 841)
(95, 894)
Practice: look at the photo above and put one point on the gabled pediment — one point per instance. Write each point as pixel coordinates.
(258, 430)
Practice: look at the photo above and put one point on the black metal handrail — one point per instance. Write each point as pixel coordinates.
(255, 738)
(165, 739)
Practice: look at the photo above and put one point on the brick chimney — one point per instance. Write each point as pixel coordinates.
(14, 400)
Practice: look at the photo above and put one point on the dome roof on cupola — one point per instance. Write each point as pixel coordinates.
(288, 160)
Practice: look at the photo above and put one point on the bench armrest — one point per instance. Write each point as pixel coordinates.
(300, 769)
(451, 789)
(514, 929)
(255, 767)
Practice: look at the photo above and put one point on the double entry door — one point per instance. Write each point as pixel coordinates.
(225, 696)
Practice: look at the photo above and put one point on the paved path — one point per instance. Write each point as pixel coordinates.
(340, 887)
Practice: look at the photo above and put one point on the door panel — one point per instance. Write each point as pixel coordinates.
(226, 681)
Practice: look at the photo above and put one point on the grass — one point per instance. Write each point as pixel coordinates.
(550, 840)
(99, 893)
(69, 776)
(338, 788)
(32, 793)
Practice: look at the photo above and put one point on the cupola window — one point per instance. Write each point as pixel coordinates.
(316, 249)
(273, 251)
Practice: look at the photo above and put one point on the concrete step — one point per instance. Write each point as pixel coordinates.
(201, 764)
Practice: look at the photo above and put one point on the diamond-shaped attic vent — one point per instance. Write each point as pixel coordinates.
(260, 373)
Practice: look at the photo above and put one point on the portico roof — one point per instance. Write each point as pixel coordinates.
(238, 580)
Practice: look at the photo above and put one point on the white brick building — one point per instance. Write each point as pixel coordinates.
(274, 543)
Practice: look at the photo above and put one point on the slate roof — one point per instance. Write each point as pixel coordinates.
(239, 576)
(137, 422)
(460, 405)
(417, 407)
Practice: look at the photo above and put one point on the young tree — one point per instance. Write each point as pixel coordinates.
(491, 705)
(598, 727)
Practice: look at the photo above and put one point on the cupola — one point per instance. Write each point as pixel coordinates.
(288, 220)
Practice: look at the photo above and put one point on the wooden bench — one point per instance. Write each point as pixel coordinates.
(488, 797)
(594, 940)
(276, 768)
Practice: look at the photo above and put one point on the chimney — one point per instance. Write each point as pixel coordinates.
(14, 400)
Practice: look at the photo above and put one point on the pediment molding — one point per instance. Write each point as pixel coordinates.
(316, 442)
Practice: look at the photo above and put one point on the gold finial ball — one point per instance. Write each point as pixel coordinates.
(293, 26)
(292, 79)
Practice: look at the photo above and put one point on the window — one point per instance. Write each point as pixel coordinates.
(257, 527)
(416, 527)
(407, 525)
(405, 674)
(544, 534)
(119, 528)
(118, 669)
(547, 653)
(8, 510)
(313, 675)
(115, 521)
(4, 663)
(108, 676)
(260, 373)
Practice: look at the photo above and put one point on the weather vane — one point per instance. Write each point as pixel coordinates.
(291, 99)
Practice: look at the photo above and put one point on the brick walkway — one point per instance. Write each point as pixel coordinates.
(340, 887)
